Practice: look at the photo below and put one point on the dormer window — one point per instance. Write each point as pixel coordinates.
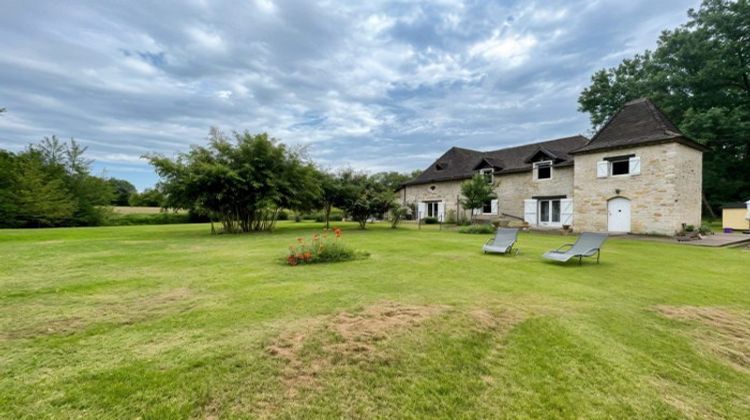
(440, 166)
(487, 174)
(543, 169)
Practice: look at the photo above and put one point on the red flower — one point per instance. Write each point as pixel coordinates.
(291, 260)
(307, 256)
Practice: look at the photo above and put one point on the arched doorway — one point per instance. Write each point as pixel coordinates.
(618, 215)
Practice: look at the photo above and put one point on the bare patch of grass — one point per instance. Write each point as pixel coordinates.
(679, 399)
(345, 338)
(723, 332)
(499, 321)
(121, 310)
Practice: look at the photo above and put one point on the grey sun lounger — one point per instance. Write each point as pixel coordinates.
(503, 242)
(587, 245)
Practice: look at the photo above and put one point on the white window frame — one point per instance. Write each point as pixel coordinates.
(432, 209)
(633, 162)
(550, 222)
(490, 171)
(612, 167)
(545, 163)
(491, 205)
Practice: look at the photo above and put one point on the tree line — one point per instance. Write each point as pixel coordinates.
(699, 74)
(50, 184)
(243, 182)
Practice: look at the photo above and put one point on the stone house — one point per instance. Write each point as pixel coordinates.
(638, 174)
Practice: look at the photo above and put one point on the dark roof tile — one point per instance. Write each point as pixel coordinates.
(637, 123)
(458, 163)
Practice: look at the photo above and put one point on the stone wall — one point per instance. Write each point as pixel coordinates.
(664, 195)
(514, 188)
(688, 185)
(511, 190)
(447, 191)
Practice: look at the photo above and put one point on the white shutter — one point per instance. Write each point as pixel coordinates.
(748, 209)
(421, 210)
(602, 169)
(494, 206)
(476, 211)
(566, 211)
(635, 165)
(529, 211)
(441, 211)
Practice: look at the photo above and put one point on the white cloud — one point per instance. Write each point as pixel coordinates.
(206, 39)
(512, 49)
(266, 6)
(380, 85)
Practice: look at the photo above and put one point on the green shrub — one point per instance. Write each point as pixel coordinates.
(335, 216)
(430, 221)
(689, 228)
(153, 219)
(705, 230)
(476, 228)
(323, 248)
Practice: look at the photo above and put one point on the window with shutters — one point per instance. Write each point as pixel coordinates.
(432, 209)
(620, 167)
(487, 207)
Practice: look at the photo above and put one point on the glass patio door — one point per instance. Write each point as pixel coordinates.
(549, 212)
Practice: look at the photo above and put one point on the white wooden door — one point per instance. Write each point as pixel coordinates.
(618, 215)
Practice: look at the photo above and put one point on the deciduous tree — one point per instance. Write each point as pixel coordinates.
(475, 192)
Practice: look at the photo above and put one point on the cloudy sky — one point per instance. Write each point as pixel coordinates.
(381, 85)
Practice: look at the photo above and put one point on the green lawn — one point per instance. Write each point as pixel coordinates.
(169, 321)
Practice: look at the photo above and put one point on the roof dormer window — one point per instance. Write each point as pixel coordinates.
(440, 166)
(487, 173)
(543, 170)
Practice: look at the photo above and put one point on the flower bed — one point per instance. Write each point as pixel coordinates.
(327, 247)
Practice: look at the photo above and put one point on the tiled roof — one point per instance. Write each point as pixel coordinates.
(458, 163)
(637, 123)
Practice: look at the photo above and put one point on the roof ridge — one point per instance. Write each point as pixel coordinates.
(465, 149)
(538, 143)
(636, 101)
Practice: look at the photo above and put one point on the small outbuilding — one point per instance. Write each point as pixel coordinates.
(736, 216)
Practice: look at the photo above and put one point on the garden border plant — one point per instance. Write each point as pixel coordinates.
(322, 249)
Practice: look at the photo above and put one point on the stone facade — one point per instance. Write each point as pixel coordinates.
(666, 193)
(449, 192)
(511, 190)
(638, 174)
